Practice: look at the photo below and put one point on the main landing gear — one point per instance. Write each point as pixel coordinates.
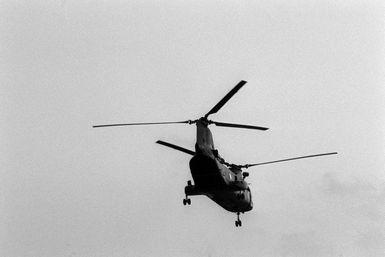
(238, 222)
(187, 200)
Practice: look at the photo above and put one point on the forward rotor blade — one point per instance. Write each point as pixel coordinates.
(226, 98)
(179, 148)
(284, 160)
(232, 125)
(141, 123)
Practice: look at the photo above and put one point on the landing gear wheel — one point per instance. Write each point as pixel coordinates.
(238, 222)
(187, 201)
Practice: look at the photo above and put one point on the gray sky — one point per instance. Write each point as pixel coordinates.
(316, 79)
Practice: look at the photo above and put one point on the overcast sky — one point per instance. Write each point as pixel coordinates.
(315, 72)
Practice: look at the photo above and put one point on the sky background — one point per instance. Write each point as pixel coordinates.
(315, 72)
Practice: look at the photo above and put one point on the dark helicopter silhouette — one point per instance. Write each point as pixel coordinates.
(222, 182)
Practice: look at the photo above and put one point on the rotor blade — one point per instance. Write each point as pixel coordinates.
(175, 147)
(284, 160)
(232, 125)
(141, 123)
(226, 98)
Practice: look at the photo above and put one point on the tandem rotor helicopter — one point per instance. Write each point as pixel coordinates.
(222, 182)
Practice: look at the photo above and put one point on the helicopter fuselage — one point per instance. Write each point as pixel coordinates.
(223, 185)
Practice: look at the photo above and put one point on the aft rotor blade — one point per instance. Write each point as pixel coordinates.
(232, 125)
(141, 123)
(226, 98)
(284, 160)
(179, 148)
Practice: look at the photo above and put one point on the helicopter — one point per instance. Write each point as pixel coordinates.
(222, 182)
